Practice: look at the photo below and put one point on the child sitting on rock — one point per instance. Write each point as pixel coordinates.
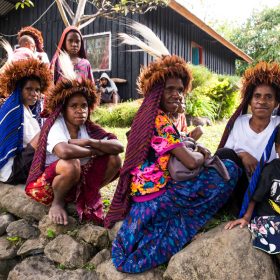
(265, 206)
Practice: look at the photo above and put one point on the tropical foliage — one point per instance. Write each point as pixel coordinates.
(24, 3)
(259, 36)
(213, 96)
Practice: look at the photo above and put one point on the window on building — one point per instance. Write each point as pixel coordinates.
(98, 47)
(197, 54)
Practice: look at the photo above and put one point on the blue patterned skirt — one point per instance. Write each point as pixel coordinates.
(155, 230)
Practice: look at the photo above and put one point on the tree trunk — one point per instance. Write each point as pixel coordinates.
(80, 11)
(62, 13)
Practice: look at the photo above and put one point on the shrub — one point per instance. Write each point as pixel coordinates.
(120, 115)
(199, 104)
(224, 91)
(201, 75)
(216, 98)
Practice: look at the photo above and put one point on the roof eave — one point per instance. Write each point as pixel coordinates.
(203, 26)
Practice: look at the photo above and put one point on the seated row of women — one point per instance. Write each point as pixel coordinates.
(70, 158)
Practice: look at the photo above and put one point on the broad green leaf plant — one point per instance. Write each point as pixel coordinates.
(24, 3)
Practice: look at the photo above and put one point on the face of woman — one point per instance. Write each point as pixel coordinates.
(172, 95)
(76, 110)
(263, 101)
(30, 92)
(73, 43)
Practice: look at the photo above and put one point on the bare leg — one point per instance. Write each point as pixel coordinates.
(115, 98)
(113, 167)
(68, 175)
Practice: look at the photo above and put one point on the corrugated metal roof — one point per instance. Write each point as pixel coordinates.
(6, 6)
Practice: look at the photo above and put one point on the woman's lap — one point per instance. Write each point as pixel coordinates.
(157, 229)
(41, 190)
(85, 194)
(21, 166)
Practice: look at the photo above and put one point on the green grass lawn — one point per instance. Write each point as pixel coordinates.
(210, 139)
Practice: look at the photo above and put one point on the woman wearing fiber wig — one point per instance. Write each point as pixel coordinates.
(22, 83)
(75, 157)
(254, 150)
(246, 134)
(164, 214)
(72, 42)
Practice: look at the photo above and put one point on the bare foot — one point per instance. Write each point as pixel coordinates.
(58, 215)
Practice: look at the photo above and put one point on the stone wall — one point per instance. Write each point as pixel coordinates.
(33, 248)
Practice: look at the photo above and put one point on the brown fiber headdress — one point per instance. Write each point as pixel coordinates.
(263, 73)
(35, 34)
(14, 71)
(161, 69)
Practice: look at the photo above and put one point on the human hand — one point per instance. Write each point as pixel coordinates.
(40, 56)
(201, 149)
(102, 89)
(242, 222)
(2, 100)
(196, 133)
(79, 142)
(249, 162)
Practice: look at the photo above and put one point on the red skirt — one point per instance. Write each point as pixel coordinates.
(85, 194)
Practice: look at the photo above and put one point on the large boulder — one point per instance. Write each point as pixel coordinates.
(6, 266)
(8, 249)
(22, 229)
(94, 235)
(14, 200)
(46, 225)
(67, 251)
(100, 257)
(5, 220)
(114, 230)
(107, 271)
(40, 268)
(221, 254)
(32, 247)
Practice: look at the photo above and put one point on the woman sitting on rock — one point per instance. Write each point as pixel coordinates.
(261, 204)
(75, 157)
(246, 135)
(22, 83)
(165, 214)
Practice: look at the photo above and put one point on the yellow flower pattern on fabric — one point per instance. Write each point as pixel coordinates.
(152, 175)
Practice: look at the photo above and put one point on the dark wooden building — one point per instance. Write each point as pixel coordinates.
(181, 31)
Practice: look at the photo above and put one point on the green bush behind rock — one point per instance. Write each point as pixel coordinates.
(120, 115)
(213, 96)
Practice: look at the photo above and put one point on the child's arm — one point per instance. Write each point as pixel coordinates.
(244, 221)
